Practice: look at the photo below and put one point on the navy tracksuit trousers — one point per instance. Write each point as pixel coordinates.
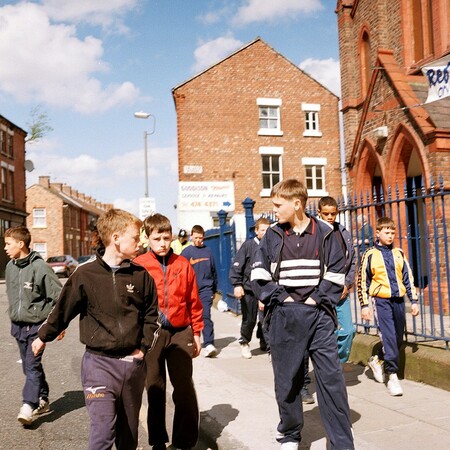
(206, 297)
(249, 310)
(295, 328)
(36, 385)
(390, 316)
(113, 391)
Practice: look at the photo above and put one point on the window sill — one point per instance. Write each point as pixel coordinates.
(312, 134)
(268, 132)
(265, 193)
(317, 193)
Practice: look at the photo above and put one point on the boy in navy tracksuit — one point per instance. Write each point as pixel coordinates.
(300, 274)
(202, 260)
(117, 303)
(240, 279)
(385, 278)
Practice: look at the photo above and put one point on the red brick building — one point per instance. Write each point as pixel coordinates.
(391, 134)
(252, 119)
(61, 219)
(12, 181)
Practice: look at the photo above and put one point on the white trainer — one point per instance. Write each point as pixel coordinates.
(289, 446)
(377, 368)
(245, 350)
(210, 351)
(25, 416)
(393, 386)
(42, 408)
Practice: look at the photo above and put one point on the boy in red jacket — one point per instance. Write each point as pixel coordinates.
(180, 314)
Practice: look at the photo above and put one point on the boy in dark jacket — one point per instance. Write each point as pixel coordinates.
(202, 260)
(117, 303)
(300, 274)
(32, 288)
(180, 312)
(240, 279)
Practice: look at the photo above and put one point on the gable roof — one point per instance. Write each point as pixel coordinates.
(411, 91)
(242, 49)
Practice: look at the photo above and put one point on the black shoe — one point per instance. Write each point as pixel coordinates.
(263, 346)
(307, 397)
(159, 447)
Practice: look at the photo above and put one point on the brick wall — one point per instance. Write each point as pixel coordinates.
(217, 118)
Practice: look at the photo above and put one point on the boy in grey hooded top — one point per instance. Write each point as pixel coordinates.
(32, 289)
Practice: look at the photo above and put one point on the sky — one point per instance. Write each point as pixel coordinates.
(89, 65)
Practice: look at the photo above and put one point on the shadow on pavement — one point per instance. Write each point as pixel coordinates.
(71, 401)
(222, 343)
(211, 429)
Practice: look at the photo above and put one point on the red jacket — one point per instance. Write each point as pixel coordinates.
(177, 289)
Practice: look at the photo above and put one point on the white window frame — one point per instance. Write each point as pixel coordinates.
(39, 221)
(41, 248)
(271, 151)
(316, 164)
(312, 127)
(274, 103)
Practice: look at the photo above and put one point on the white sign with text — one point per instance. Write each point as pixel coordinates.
(206, 196)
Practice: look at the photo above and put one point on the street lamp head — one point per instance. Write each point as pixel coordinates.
(141, 115)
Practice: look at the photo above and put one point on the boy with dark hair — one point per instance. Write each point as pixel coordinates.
(328, 211)
(202, 260)
(300, 274)
(240, 279)
(180, 312)
(384, 278)
(117, 303)
(32, 289)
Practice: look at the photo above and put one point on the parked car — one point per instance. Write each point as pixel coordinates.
(62, 265)
(83, 258)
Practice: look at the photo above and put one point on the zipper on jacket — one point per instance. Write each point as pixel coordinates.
(166, 290)
(117, 302)
(19, 309)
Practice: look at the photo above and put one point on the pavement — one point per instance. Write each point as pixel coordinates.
(239, 411)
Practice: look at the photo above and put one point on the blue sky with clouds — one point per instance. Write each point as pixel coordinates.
(90, 64)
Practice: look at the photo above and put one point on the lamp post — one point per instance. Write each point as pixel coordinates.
(144, 115)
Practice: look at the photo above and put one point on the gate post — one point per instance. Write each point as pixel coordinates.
(225, 254)
(248, 205)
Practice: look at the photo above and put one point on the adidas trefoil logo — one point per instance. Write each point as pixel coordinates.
(130, 288)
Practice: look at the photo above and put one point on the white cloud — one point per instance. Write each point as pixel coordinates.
(93, 12)
(51, 65)
(325, 71)
(272, 11)
(211, 52)
(101, 178)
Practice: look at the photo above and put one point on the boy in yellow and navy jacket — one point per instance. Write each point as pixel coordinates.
(384, 278)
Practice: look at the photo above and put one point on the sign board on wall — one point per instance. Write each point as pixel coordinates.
(206, 196)
(147, 206)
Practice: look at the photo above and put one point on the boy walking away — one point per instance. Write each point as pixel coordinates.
(299, 273)
(384, 278)
(240, 279)
(180, 312)
(117, 303)
(328, 211)
(202, 261)
(32, 289)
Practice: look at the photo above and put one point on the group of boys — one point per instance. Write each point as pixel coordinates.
(139, 314)
(142, 314)
(302, 271)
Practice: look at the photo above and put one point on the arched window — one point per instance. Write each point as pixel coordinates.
(364, 63)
